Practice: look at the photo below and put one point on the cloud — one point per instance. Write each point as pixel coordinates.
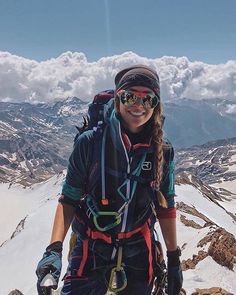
(231, 109)
(71, 74)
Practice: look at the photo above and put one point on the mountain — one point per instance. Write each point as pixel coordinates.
(35, 143)
(24, 236)
(36, 140)
(206, 234)
(190, 122)
(213, 163)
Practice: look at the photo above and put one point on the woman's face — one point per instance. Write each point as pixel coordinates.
(135, 116)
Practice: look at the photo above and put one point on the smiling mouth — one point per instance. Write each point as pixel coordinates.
(136, 114)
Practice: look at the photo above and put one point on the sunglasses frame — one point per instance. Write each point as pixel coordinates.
(138, 96)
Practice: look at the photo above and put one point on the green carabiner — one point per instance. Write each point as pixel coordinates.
(114, 271)
(116, 215)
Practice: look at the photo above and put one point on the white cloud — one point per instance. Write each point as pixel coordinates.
(71, 74)
(231, 109)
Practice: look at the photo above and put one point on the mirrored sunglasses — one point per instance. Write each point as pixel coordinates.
(129, 98)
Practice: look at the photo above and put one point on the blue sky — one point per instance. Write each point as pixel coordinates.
(202, 30)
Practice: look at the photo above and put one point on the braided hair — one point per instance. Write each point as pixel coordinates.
(157, 140)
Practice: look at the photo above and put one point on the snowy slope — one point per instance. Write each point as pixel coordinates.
(192, 197)
(207, 273)
(21, 254)
(19, 202)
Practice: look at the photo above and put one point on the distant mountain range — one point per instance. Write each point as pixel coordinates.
(36, 140)
(194, 122)
(213, 162)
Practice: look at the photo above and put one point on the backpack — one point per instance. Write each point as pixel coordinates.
(95, 115)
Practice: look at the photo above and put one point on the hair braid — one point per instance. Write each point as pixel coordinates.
(158, 142)
(157, 134)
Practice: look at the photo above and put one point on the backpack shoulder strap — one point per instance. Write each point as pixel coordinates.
(94, 172)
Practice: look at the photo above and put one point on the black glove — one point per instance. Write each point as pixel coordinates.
(174, 272)
(50, 263)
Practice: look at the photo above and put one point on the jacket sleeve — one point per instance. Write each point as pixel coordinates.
(168, 182)
(74, 186)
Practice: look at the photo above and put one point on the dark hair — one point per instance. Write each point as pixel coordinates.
(157, 140)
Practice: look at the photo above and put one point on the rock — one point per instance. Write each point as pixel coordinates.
(180, 206)
(222, 247)
(182, 292)
(189, 223)
(19, 227)
(191, 263)
(211, 291)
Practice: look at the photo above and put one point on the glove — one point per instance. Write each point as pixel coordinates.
(174, 272)
(50, 263)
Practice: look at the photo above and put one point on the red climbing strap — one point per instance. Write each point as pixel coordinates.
(95, 235)
(84, 258)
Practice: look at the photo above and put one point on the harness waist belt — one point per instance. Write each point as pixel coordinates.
(95, 235)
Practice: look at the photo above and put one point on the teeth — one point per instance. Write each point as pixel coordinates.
(136, 113)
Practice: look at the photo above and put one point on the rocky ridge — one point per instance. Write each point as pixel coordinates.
(222, 248)
(214, 162)
(36, 139)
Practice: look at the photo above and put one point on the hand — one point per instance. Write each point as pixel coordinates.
(50, 263)
(174, 272)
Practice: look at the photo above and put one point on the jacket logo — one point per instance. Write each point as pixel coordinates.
(147, 166)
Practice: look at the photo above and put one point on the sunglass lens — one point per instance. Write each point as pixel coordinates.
(150, 101)
(129, 98)
(147, 101)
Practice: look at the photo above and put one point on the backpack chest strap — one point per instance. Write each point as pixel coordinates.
(130, 176)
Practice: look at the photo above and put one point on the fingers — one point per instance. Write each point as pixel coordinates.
(41, 272)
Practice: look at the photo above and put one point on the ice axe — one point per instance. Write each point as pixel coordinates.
(46, 285)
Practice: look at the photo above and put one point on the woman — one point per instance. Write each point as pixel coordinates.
(120, 179)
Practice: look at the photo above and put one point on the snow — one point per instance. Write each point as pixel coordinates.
(188, 239)
(6, 125)
(228, 185)
(229, 205)
(23, 165)
(232, 168)
(69, 110)
(204, 276)
(5, 155)
(38, 203)
(16, 202)
(25, 249)
(198, 162)
(13, 157)
(192, 197)
(211, 151)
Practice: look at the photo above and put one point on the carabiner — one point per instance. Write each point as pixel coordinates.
(117, 217)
